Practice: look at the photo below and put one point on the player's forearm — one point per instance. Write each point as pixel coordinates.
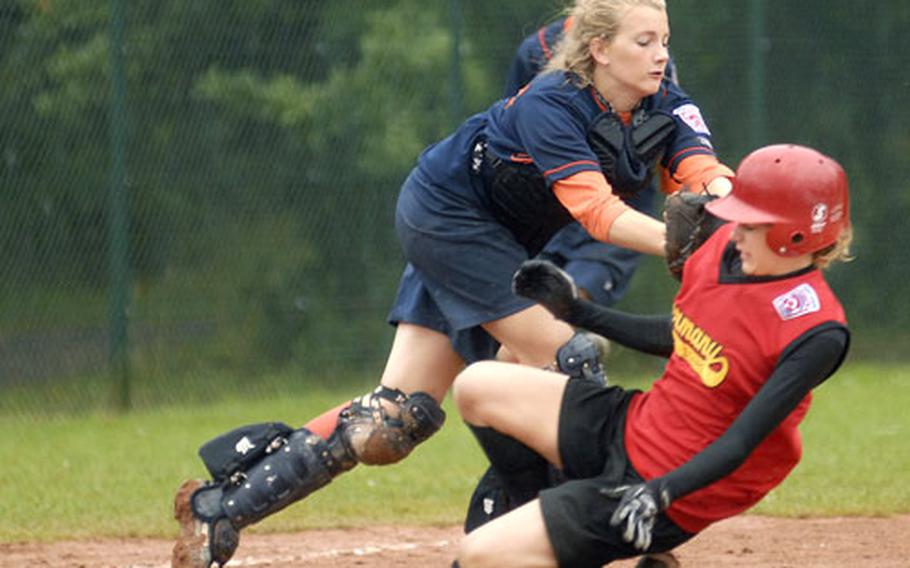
(703, 172)
(639, 232)
(590, 200)
(648, 334)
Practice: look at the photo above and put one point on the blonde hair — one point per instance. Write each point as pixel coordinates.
(838, 252)
(591, 19)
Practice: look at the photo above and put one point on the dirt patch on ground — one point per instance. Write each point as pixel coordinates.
(753, 541)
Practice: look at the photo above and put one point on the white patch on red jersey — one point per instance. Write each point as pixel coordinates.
(797, 302)
(690, 114)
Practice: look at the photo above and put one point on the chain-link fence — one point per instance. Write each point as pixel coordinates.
(196, 195)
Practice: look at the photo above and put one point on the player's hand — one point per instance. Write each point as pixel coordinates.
(637, 510)
(547, 284)
(689, 225)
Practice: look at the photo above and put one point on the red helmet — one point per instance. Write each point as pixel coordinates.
(800, 191)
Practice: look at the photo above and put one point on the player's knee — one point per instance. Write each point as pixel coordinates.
(467, 391)
(384, 426)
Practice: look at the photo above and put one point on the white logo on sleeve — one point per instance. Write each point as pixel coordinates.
(797, 302)
(690, 114)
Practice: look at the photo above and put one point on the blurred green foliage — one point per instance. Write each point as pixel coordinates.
(266, 142)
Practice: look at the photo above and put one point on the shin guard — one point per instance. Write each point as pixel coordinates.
(303, 464)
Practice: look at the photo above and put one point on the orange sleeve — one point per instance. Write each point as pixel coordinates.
(695, 172)
(668, 185)
(591, 201)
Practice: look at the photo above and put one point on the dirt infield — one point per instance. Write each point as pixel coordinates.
(753, 541)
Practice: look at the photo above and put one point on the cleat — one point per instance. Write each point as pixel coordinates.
(200, 544)
(658, 560)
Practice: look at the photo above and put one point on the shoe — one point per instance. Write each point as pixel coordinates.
(658, 560)
(201, 544)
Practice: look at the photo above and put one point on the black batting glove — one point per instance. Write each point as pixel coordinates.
(546, 284)
(637, 510)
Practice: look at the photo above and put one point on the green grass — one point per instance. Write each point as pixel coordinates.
(108, 475)
(856, 455)
(114, 475)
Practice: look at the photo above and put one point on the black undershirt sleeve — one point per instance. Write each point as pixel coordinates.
(648, 334)
(806, 363)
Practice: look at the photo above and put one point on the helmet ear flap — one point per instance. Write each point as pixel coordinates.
(787, 240)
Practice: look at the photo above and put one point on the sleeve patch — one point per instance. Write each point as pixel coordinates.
(797, 302)
(690, 114)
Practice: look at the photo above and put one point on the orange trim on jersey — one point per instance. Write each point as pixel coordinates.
(699, 170)
(598, 100)
(625, 116)
(569, 165)
(591, 201)
(567, 24)
(521, 158)
(668, 185)
(520, 92)
(684, 150)
(542, 40)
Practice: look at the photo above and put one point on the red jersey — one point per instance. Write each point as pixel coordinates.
(727, 338)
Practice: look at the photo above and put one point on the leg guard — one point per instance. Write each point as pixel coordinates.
(384, 426)
(298, 467)
(293, 466)
(580, 359)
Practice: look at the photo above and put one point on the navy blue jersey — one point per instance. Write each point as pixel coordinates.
(601, 269)
(548, 123)
(462, 244)
(536, 51)
(546, 127)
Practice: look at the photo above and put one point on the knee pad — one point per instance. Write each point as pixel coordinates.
(580, 359)
(382, 427)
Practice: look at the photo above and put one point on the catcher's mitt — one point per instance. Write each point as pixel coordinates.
(689, 225)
